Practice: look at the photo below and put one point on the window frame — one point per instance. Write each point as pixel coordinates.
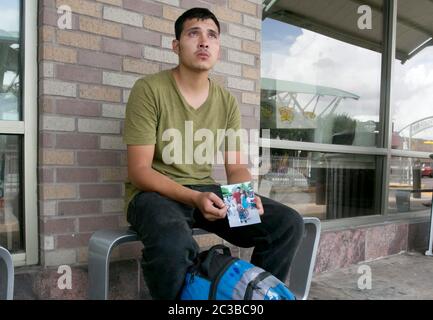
(26, 128)
(385, 121)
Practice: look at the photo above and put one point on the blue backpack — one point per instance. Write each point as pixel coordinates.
(219, 276)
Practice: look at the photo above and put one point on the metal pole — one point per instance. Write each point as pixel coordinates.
(388, 57)
(430, 241)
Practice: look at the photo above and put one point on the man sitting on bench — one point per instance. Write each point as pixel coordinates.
(168, 191)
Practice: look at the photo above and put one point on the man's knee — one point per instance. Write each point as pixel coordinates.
(173, 239)
(289, 222)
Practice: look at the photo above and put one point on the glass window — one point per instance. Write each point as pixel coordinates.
(407, 176)
(10, 62)
(316, 88)
(412, 103)
(325, 185)
(11, 227)
(11, 146)
(412, 112)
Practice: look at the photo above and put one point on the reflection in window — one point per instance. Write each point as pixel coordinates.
(11, 235)
(10, 68)
(412, 112)
(325, 185)
(407, 175)
(318, 89)
(413, 97)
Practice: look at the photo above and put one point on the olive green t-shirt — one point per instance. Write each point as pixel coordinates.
(186, 140)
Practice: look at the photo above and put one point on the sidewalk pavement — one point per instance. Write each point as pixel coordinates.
(406, 276)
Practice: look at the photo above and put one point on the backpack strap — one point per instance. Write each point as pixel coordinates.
(205, 264)
(253, 284)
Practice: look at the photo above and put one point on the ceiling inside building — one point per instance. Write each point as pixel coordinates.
(339, 19)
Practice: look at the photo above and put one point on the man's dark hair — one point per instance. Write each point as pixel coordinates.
(194, 13)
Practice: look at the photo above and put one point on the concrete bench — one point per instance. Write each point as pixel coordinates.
(6, 275)
(103, 242)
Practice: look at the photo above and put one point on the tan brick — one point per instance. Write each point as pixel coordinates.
(99, 93)
(48, 34)
(79, 39)
(47, 104)
(82, 254)
(157, 54)
(174, 3)
(126, 94)
(221, 80)
(123, 16)
(171, 13)
(113, 174)
(56, 123)
(167, 42)
(112, 2)
(89, 8)
(113, 111)
(59, 88)
(112, 205)
(139, 66)
(230, 42)
(250, 98)
(240, 57)
(242, 32)
(59, 54)
(252, 22)
(251, 47)
(58, 157)
(60, 257)
(47, 208)
(157, 24)
(123, 159)
(228, 68)
(240, 84)
(47, 242)
(243, 6)
(47, 69)
(58, 191)
(226, 14)
(251, 73)
(98, 125)
(100, 27)
(119, 79)
(112, 143)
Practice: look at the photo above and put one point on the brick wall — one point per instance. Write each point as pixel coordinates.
(85, 77)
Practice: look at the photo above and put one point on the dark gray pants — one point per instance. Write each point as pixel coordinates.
(165, 228)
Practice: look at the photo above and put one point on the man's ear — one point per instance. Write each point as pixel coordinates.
(175, 45)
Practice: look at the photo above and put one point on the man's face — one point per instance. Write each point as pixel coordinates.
(199, 45)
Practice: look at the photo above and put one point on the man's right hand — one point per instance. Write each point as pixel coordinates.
(211, 206)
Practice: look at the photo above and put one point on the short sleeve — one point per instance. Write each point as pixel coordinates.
(141, 116)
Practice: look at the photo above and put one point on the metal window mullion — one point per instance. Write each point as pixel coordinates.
(30, 81)
(11, 127)
(385, 120)
(320, 147)
(410, 154)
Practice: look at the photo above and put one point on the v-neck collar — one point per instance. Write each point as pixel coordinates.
(185, 103)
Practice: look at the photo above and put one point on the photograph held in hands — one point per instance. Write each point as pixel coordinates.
(239, 199)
